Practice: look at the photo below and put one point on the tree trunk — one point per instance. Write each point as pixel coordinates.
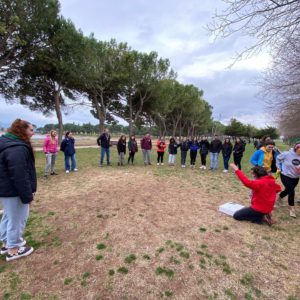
(180, 130)
(59, 115)
(130, 116)
(99, 114)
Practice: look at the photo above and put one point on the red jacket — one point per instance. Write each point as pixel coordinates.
(264, 191)
(160, 146)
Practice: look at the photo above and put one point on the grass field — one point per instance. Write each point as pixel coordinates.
(137, 232)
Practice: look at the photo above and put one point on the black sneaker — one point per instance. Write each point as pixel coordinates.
(53, 173)
(22, 252)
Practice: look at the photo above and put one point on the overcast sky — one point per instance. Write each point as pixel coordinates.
(176, 29)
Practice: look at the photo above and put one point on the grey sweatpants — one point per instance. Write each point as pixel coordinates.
(50, 162)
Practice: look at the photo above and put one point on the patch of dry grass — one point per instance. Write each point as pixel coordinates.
(150, 233)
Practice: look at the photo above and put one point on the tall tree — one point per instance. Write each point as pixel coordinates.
(51, 77)
(101, 77)
(143, 72)
(24, 28)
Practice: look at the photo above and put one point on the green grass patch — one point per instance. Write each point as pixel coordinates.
(130, 258)
(123, 270)
(68, 280)
(185, 255)
(101, 246)
(165, 271)
(248, 296)
(168, 293)
(111, 272)
(230, 294)
(99, 257)
(174, 260)
(202, 229)
(247, 280)
(226, 268)
(25, 296)
(146, 256)
(160, 250)
(86, 275)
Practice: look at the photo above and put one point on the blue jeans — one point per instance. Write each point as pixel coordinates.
(103, 152)
(13, 221)
(226, 162)
(67, 162)
(214, 160)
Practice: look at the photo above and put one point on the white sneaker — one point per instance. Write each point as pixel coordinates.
(75, 170)
(225, 171)
(67, 172)
(201, 167)
(162, 164)
(204, 167)
(292, 213)
(157, 164)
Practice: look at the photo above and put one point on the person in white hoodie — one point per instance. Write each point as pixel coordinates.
(288, 164)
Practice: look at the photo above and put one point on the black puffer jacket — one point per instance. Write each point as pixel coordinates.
(17, 169)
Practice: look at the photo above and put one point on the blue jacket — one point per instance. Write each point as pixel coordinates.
(17, 169)
(258, 156)
(257, 159)
(68, 146)
(194, 146)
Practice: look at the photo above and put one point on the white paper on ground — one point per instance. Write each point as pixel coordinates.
(230, 208)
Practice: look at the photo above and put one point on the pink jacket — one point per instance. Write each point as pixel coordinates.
(48, 147)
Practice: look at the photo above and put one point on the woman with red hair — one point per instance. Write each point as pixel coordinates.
(17, 187)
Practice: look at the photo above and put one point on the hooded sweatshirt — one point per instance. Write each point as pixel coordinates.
(289, 163)
(264, 191)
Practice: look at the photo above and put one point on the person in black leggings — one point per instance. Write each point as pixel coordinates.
(238, 151)
(288, 164)
(133, 148)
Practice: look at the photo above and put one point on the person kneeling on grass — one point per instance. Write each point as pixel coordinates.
(264, 194)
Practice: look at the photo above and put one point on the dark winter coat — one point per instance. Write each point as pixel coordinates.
(226, 149)
(17, 169)
(184, 146)
(132, 146)
(173, 148)
(215, 146)
(238, 150)
(121, 146)
(104, 140)
(204, 147)
(68, 146)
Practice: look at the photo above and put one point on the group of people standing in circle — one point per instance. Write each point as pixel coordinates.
(192, 145)
(18, 180)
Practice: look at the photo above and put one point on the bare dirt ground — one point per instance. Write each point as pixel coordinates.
(150, 233)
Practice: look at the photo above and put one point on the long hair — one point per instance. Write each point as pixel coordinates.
(121, 138)
(52, 139)
(18, 128)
